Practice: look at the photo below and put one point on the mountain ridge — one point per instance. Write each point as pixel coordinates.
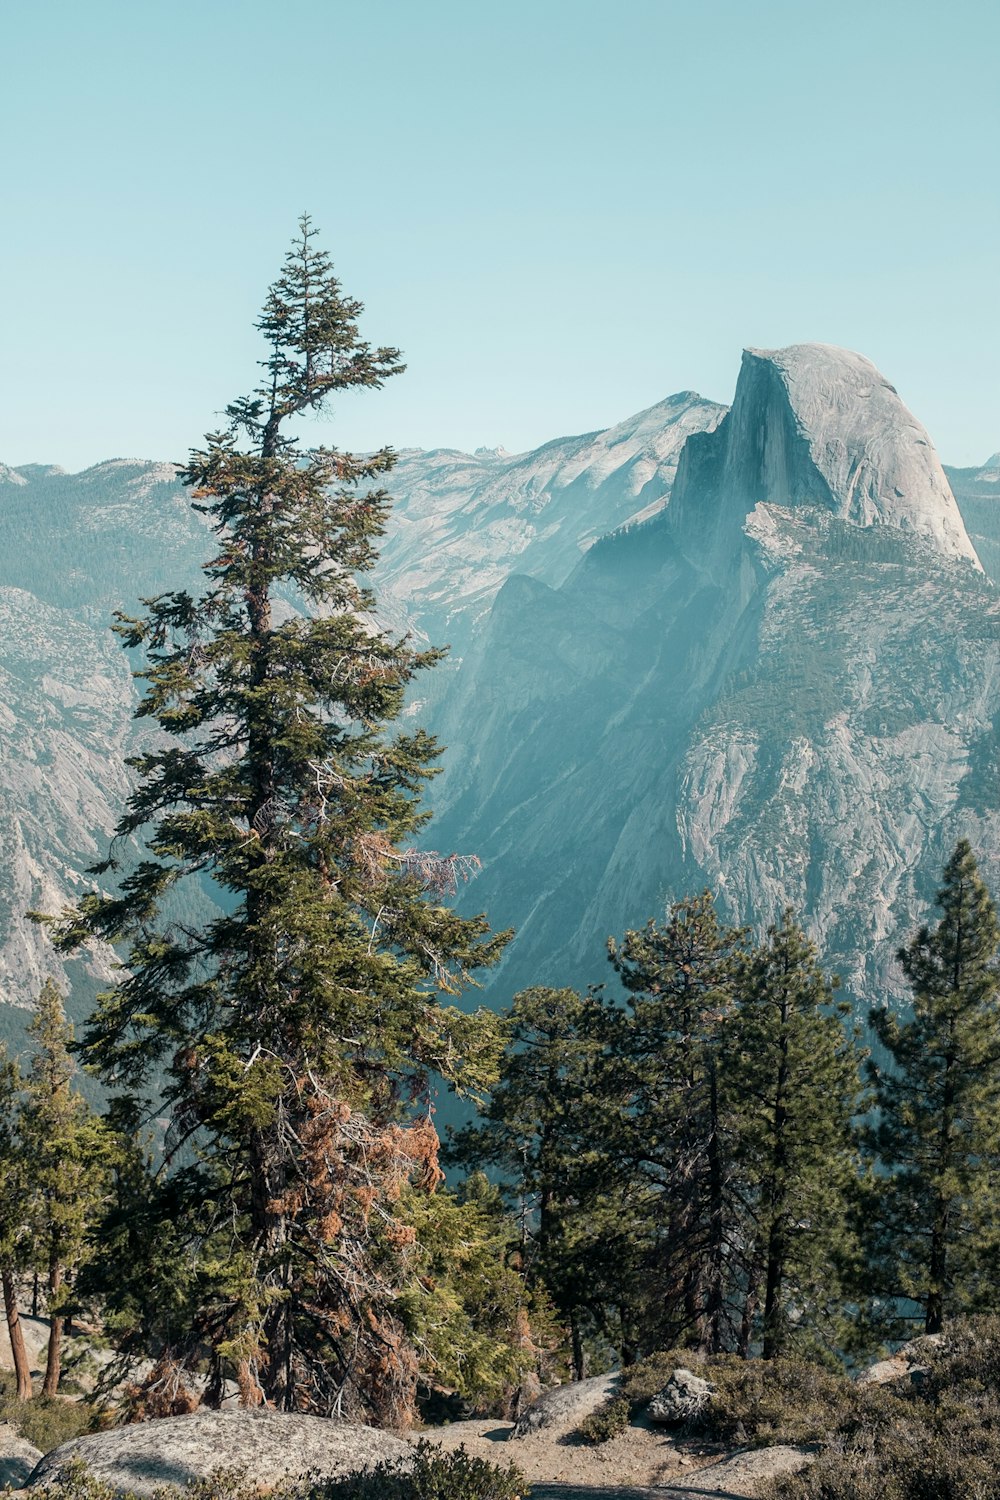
(636, 638)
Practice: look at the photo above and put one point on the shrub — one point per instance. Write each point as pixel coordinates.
(608, 1421)
(433, 1475)
(45, 1421)
(937, 1439)
(755, 1401)
(911, 1463)
(776, 1401)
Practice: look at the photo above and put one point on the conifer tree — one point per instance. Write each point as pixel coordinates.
(13, 1193)
(791, 1069)
(472, 1315)
(938, 1095)
(543, 1128)
(675, 1127)
(295, 1034)
(65, 1151)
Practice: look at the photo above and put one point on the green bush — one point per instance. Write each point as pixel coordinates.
(937, 1438)
(607, 1422)
(912, 1463)
(433, 1475)
(776, 1401)
(756, 1401)
(44, 1421)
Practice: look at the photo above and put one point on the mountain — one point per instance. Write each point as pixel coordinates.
(977, 491)
(462, 523)
(76, 547)
(786, 686)
(749, 647)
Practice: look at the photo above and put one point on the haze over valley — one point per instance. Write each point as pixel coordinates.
(754, 648)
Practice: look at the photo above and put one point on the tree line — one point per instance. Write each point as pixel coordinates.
(719, 1162)
(264, 1204)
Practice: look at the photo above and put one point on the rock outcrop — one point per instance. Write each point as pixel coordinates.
(18, 1458)
(561, 1410)
(269, 1447)
(684, 1397)
(785, 686)
(813, 425)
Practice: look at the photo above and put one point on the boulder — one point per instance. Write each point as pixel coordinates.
(683, 1397)
(17, 1457)
(270, 1446)
(910, 1362)
(561, 1410)
(741, 1474)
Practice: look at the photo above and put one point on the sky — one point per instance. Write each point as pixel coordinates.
(562, 211)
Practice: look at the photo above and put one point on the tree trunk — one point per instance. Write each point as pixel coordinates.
(938, 1267)
(934, 1311)
(579, 1359)
(714, 1340)
(747, 1320)
(21, 1366)
(628, 1351)
(53, 1362)
(772, 1292)
(268, 1177)
(777, 1201)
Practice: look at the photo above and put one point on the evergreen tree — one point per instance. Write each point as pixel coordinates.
(938, 1119)
(13, 1193)
(543, 1129)
(65, 1151)
(295, 1034)
(675, 1129)
(472, 1315)
(791, 1072)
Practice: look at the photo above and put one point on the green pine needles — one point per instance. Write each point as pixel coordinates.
(934, 1229)
(293, 1036)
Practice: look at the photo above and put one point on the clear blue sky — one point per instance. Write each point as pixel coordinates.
(560, 210)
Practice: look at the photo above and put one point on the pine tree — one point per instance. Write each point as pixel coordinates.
(66, 1152)
(938, 1096)
(791, 1072)
(13, 1195)
(674, 1127)
(542, 1130)
(472, 1313)
(296, 1033)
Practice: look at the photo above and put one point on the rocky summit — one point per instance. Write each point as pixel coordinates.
(753, 648)
(783, 686)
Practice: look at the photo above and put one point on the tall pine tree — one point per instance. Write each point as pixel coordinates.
(294, 1035)
(937, 1135)
(13, 1228)
(543, 1130)
(791, 1073)
(676, 1129)
(66, 1150)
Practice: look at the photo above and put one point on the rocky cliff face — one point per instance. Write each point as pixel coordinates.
(786, 686)
(783, 682)
(76, 547)
(463, 523)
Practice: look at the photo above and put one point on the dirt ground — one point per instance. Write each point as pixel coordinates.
(642, 1464)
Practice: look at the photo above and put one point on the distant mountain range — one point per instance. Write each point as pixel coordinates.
(756, 648)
